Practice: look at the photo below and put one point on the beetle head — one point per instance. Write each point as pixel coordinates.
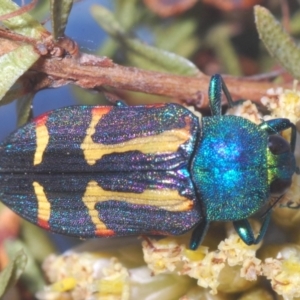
(281, 164)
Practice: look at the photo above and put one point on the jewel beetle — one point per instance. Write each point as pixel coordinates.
(101, 171)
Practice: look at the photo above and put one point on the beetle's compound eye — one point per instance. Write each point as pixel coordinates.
(279, 186)
(278, 144)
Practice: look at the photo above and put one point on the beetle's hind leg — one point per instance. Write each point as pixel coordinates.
(244, 230)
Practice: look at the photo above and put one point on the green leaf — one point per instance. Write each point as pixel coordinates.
(60, 10)
(24, 108)
(12, 272)
(15, 92)
(127, 12)
(219, 38)
(107, 21)
(14, 64)
(178, 33)
(23, 24)
(278, 42)
(32, 276)
(30, 233)
(157, 59)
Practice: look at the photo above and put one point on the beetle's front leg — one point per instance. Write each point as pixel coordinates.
(244, 230)
(216, 86)
(275, 126)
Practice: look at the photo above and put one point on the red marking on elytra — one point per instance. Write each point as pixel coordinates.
(43, 223)
(42, 119)
(101, 110)
(104, 232)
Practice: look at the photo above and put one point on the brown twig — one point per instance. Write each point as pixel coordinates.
(92, 72)
(191, 89)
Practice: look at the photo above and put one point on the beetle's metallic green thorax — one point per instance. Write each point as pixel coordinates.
(230, 168)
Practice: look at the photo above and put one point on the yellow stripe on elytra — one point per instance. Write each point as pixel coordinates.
(166, 199)
(42, 140)
(44, 207)
(167, 141)
(90, 203)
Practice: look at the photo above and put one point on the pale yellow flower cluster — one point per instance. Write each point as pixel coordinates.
(284, 271)
(283, 103)
(168, 256)
(84, 276)
(116, 272)
(230, 267)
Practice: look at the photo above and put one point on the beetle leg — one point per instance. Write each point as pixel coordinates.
(277, 125)
(216, 86)
(214, 94)
(198, 234)
(244, 230)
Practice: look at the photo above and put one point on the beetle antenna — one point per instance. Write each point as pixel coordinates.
(271, 206)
